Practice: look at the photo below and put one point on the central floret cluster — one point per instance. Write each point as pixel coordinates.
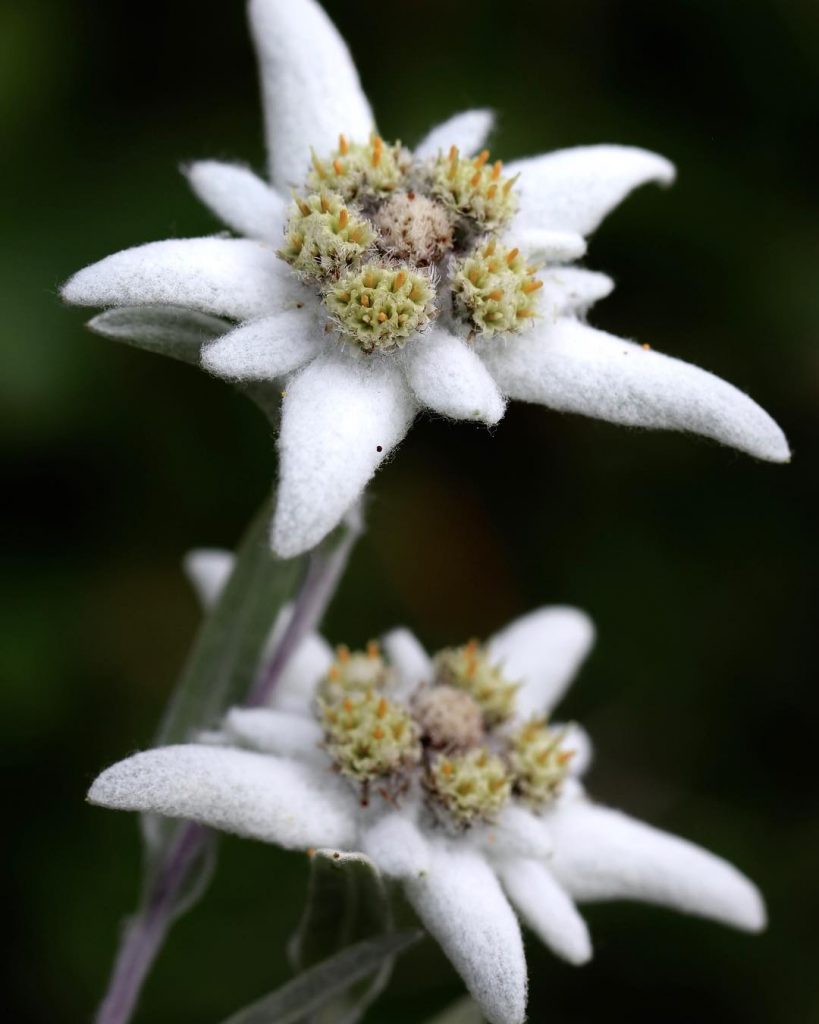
(391, 243)
(454, 738)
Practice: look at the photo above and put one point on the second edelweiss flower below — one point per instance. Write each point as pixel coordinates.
(374, 281)
(448, 773)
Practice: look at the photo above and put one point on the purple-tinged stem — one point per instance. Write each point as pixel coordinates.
(146, 931)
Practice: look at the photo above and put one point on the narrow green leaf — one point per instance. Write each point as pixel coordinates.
(463, 1012)
(346, 903)
(313, 990)
(167, 330)
(228, 650)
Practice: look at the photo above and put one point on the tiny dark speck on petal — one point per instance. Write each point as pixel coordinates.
(378, 448)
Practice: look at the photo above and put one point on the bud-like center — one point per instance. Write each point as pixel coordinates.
(391, 243)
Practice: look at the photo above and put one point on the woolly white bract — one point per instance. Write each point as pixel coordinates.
(342, 414)
(265, 775)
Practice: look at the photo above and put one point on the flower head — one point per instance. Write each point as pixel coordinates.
(397, 281)
(491, 829)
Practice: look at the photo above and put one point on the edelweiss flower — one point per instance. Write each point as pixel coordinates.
(447, 775)
(396, 281)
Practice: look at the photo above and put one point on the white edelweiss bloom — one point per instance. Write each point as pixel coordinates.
(472, 866)
(405, 282)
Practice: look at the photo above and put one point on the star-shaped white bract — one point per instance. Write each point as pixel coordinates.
(342, 414)
(266, 776)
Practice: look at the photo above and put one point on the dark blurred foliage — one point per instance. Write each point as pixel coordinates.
(693, 560)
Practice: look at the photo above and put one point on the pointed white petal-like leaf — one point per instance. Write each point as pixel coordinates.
(276, 732)
(468, 131)
(462, 905)
(409, 659)
(543, 650)
(572, 367)
(601, 854)
(569, 290)
(310, 88)
(516, 832)
(396, 845)
(239, 199)
(208, 570)
(549, 246)
(293, 805)
(448, 378)
(231, 277)
(547, 909)
(266, 349)
(574, 189)
(341, 417)
(309, 662)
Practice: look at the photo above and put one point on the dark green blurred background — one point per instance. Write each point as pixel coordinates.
(693, 560)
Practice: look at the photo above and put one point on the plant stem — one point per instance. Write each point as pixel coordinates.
(324, 572)
(146, 931)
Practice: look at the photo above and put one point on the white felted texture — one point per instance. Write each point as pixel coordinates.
(543, 651)
(239, 199)
(254, 795)
(231, 277)
(576, 739)
(305, 667)
(408, 658)
(572, 367)
(396, 846)
(265, 349)
(468, 131)
(310, 87)
(571, 290)
(601, 854)
(336, 415)
(463, 907)
(276, 732)
(574, 189)
(547, 909)
(448, 378)
(208, 570)
(515, 832)
(551, 246)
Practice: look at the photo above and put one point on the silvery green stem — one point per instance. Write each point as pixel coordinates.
(146, 931)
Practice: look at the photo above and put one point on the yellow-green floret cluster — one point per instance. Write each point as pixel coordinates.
(474, 189)
(380, 307)
(355, 170)
(538, 762)
(494, 289)
(470, 668)
(378, 233)
(355, 672)
(370, 737)
(323, 238)
(452, 737)
(470, 787)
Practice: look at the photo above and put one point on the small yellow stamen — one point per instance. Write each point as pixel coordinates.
(512, 255)
(482, 158)
(338, 167)
(532, 286)
(343, 218)
(378, 150)
(343, 145)
(496, 170)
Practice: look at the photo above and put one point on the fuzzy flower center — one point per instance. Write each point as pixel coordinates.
(453, 740)
(391, 243)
